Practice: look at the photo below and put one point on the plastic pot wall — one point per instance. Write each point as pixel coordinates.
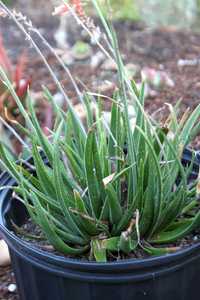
(41, 275)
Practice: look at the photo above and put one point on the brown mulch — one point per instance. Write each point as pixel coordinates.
(159, 49)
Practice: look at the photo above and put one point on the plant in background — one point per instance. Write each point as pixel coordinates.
(81, 50)
(8, 107)
(7, 2)
(9, 111)
(122, 9)
(109, 189)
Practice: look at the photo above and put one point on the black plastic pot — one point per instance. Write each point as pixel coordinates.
(41, 275)
(186, 161)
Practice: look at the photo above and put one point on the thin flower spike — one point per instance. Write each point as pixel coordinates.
(75, 7)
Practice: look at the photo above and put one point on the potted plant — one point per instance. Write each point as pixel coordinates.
(108, 213)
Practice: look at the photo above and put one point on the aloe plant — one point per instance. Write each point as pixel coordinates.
(109, 188)
(94, 197)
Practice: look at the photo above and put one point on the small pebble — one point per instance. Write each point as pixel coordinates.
(109, 65)
(12, 288)
(132, 70)
(106, 86)
(67, 58)
(59, 99)
(97, 59)
(188, 62)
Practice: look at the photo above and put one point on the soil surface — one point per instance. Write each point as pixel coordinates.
(31, 233)
(159, 49)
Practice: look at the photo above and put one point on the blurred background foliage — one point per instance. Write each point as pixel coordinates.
(155, 13)
(158, 13)
(8, 2)
(122, 9)
(179, 13)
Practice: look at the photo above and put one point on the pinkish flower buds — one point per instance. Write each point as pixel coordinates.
(60, 10)
(63, 9)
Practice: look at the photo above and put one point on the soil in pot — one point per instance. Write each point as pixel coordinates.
(31, 233)
(43, 275)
